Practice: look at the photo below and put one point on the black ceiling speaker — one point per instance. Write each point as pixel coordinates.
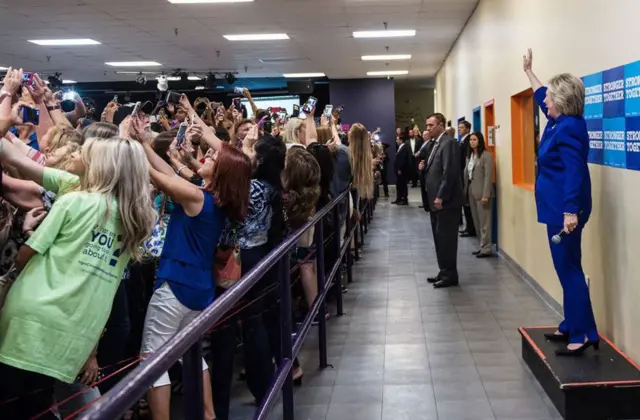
(300, 86)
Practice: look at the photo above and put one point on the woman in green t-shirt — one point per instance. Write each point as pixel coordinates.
(70, 268)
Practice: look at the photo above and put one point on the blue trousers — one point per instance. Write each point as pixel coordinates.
(567, 260)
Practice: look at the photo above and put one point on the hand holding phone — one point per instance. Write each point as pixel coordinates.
(296, 110)
(30, 115)
(327, 110)
(237, 103)
(173, 98)
(309, 105)
(182, 131)
(136, 109)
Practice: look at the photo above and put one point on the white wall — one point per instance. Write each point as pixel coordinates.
(581, 37)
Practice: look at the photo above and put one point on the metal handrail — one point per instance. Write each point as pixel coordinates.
(187, 341)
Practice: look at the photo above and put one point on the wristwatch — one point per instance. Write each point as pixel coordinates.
(52, 108)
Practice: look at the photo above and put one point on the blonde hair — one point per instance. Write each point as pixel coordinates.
(61, 135)
(360, 158)
(119, 169)
(567, 94)
(376, 150)
(291, 132)
(66, 162)
(324, 134)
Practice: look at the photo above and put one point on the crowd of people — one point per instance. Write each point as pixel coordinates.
(116, 233)
(455, 177)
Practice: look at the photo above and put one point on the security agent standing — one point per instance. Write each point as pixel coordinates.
(563, 199)
(421, 156)
(464, 129)
(444, 195)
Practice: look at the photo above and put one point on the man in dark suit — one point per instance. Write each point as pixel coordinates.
(415, 143)
(464, 129)
(422, 156)
(444, 195)
(402, 167)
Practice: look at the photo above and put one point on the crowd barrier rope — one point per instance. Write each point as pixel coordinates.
(186, 344)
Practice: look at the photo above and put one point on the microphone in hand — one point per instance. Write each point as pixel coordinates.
(557, 238)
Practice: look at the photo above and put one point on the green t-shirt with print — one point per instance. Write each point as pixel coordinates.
(58, 307)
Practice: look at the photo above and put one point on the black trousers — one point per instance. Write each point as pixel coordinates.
(423, 192)
(385, 181)
(402, 190)
(469, 226)
(256, 349)
(444, 224)
(28, 394)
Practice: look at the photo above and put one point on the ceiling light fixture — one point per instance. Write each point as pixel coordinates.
(199, 87)
(3, 68)
(256, 37)
(299, 75)
(388, 73)
(68, 82)
(207, 1)
(385, 33)
(64, 42)
(137, 72)
(194, 78)
(169, 78)
(386, 57)
(133, 63)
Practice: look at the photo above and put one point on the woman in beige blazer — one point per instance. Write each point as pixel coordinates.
(478, 189)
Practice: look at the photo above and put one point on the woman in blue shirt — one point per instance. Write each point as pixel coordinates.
(563, 200)
(185, 280)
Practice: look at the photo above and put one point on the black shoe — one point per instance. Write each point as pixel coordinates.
(557, 338)
(420, 207)
(475, 252)
(403, 203)
(580, 350)
(395, 202)
(345, 289)
(466, 235)
(433, 279)
(445, 283)
(484, 255)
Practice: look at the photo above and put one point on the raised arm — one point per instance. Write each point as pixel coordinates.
(527, 64)
(12, 155)
(164, 177)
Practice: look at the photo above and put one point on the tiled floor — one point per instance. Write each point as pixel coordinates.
(405, 351)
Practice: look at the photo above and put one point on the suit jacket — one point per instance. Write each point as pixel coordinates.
(480, 184)
(403, 160)
(443, 178)
(464, 150)
(563, 184)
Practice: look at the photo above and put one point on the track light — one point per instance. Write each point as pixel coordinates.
(230, 78)
(210, 81)
(163, 84)
(141, 78)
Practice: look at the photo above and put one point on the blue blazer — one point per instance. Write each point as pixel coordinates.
(563, 184)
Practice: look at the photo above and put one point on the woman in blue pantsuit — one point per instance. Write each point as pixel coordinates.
(563, 200)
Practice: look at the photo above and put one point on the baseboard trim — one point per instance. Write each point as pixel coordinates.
(520, 272)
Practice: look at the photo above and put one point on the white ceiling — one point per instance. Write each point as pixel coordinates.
(320, 32)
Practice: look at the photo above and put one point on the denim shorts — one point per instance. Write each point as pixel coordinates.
(301, 254)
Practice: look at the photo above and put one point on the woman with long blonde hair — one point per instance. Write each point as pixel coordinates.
(360, 158)
(70, 268)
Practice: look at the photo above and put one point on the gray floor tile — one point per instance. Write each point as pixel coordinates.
(372, 411)
(403, 343)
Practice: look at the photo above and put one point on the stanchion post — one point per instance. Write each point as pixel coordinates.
(322, 310)
(337, 244)
(348, 238)
(285, 338)
(192, 380)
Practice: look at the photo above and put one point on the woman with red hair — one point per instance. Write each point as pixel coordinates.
(184, 285)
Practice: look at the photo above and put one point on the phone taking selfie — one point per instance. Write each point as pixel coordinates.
(296, 111)
(239, 90)
(136, 109)
(308, 106)
(69, 95)
(182, 131)
(173, 98)
(237, 103)
(115, 99)
(27, 78)
(30, 115)
(327, 111)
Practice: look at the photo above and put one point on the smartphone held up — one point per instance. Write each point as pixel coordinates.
(30, 115)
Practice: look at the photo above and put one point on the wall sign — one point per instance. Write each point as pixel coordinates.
(612, 111)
